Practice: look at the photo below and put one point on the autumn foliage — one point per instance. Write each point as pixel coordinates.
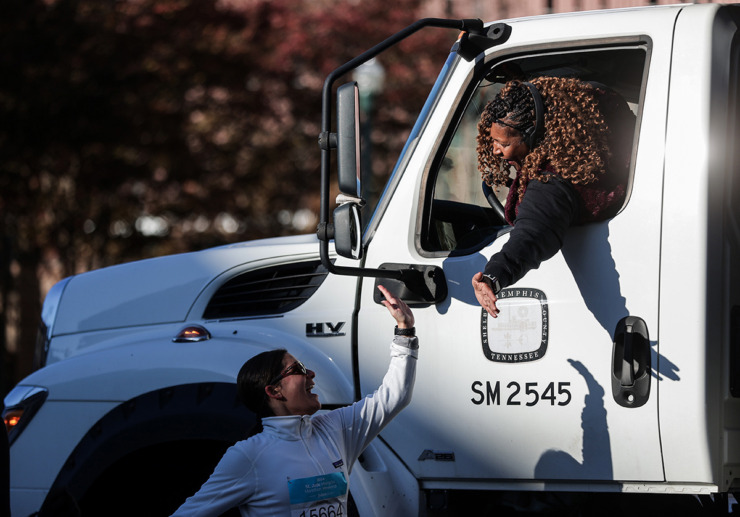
(136, 128)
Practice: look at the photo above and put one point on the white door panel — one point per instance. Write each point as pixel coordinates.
(526, 395)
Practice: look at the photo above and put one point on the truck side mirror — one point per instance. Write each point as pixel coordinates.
(348, 139)
(348, 230)
(347, 220)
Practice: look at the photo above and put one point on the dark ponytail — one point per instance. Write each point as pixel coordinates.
(253, 377)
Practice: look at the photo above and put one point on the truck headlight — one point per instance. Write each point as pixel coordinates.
(20, 405)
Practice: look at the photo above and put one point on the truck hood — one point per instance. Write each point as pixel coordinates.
(162, 290)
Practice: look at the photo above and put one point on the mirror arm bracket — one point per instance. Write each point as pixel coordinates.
(325, 232)
(327, 141)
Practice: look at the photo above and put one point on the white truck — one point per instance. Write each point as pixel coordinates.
(609, 384)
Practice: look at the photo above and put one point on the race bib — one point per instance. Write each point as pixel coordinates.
(318, 496)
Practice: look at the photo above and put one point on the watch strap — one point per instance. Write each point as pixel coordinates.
(493, 283)
(410, 332)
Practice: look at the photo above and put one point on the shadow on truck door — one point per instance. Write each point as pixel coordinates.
(588, 254)
(597, 459)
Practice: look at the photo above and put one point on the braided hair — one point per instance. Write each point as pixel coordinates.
(575, 141)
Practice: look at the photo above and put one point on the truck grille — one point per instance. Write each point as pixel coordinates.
(271, 290)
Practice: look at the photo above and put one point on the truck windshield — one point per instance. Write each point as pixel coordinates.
(375, 203)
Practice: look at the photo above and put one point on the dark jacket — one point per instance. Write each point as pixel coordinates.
(546, 211)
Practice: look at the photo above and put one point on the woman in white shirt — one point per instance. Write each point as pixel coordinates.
(299, 463)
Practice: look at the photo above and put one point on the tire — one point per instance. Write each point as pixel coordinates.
(146, 456)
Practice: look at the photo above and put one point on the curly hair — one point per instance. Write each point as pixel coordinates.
(575, 141)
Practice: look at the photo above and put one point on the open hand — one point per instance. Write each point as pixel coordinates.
(484, 295)
(398, 309)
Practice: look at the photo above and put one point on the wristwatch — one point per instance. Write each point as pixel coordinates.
(409, 332)
(493, 283)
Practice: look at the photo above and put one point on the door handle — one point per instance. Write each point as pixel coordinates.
(631, 363)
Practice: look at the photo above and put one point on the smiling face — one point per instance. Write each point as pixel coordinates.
(508, 144)
(292, 394)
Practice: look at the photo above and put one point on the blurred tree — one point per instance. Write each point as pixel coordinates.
(137, 128)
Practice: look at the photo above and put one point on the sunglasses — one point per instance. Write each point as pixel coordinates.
(296, 368)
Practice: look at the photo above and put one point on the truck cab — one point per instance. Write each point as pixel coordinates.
(612, 371)
(614, 355)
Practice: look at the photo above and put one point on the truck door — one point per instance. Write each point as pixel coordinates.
(533, 395)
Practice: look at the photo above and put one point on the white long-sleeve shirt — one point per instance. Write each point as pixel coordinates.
(300, 463)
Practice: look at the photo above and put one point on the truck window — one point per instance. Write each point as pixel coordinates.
(458, 219)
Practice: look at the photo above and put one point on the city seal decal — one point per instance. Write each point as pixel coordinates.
(519, 334)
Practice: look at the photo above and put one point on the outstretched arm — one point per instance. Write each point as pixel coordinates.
(363, 420)
(546, 212)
